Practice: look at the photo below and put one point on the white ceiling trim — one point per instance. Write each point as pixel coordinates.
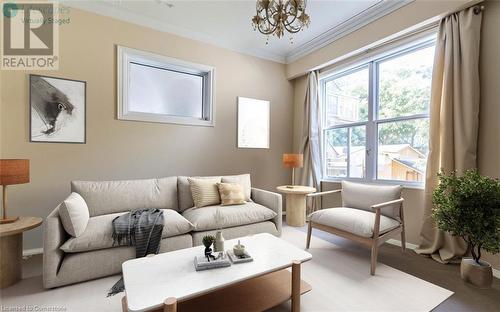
(356, 22)
(132, 17)
(361, 19)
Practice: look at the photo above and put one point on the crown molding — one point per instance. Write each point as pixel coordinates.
(122, 14)
(356, 22)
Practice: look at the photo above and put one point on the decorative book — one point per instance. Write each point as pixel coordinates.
(239, 259)
(201, 262)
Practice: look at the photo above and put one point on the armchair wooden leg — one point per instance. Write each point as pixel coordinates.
(170, 305)
(296, 286)
(309, 232)
(374, 257)
(403, 240)
(403, 235)
(124, 304)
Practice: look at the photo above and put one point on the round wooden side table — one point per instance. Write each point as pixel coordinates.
(296, 203)
(11, 248)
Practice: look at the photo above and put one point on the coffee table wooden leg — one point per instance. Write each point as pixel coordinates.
(296, 286)
(170, 305)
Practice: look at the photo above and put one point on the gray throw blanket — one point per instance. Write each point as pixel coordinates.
(141, 228)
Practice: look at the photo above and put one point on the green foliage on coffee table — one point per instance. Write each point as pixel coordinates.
(469, 206)
(208, 240)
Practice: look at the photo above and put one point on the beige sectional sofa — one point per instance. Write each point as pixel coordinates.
(92, 255)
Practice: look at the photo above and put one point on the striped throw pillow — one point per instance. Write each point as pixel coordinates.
(231, 194)
(204, 191)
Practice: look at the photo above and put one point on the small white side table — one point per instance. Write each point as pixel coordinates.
(296, 203)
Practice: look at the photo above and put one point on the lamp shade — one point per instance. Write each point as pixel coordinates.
(293, 160)
(14, 171)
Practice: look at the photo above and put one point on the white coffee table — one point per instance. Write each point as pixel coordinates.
(168, 281)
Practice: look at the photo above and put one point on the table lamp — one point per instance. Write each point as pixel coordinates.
(12, 171)
(293, 161)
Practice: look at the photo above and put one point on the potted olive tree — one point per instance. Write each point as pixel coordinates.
(469, 206)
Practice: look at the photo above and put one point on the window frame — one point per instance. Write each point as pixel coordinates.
(127, 56)
(373, 121)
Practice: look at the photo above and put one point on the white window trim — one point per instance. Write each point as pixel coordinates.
(125, 56)
(372, 123)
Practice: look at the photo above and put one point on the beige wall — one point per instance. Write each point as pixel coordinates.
(489, 143)
(125, 149)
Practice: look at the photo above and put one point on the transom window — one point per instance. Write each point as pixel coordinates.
(376, 117)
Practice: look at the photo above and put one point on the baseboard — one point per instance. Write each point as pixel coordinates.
(32, 252)
(397, 242)
(496, 272)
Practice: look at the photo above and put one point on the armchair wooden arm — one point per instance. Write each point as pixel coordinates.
(386, 204)
(323, 193)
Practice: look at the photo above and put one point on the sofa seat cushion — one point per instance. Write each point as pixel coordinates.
(98, 234)
(355, 221)
(207, 218)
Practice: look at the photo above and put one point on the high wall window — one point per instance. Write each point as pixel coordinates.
(375, 117)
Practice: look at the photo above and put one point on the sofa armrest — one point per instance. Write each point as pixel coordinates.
(272, 201)
(53, 237)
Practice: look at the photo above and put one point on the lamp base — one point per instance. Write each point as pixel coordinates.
(8, 220)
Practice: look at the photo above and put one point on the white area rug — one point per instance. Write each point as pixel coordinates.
(340, 279)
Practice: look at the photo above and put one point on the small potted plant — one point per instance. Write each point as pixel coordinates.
(207, 241)
(469, 206)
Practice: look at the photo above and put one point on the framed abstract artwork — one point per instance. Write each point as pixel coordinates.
(57, 110)
(253, 123)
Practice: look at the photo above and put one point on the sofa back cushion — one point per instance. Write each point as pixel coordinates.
(104, 197)
(363, 196)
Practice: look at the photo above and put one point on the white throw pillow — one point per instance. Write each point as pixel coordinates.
(74, 214)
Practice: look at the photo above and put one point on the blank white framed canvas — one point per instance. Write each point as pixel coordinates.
(254, 122)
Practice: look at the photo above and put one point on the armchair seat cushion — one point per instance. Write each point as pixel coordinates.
(355, 221)
(99, 231)
(205, 218)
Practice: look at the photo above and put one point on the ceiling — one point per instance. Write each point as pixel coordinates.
(228, 23)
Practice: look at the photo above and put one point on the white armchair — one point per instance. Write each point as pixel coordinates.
(370, 215)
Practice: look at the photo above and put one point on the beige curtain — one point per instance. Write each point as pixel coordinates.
(454, 116)
(310, 146)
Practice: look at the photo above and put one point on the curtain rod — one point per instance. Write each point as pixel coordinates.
(432, 23)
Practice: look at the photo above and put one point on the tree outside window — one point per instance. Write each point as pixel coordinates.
(396, 126)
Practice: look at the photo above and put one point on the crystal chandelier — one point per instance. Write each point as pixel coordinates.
(275, 16)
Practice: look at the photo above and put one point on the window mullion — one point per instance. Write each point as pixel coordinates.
(349, 152)
(371, 127)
